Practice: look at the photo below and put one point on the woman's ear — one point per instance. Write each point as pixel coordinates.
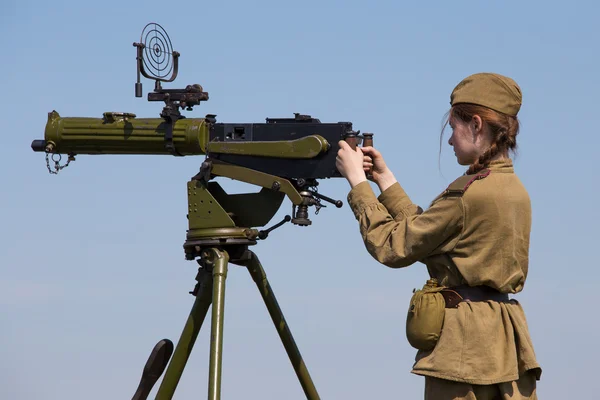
(477, 123)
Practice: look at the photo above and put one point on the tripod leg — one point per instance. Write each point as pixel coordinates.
(260, 277)
(188, 336)
(219, 259)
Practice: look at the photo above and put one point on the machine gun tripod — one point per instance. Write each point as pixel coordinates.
(216, 239)
(211, 289)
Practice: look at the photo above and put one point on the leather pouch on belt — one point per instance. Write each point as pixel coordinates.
(425, 317)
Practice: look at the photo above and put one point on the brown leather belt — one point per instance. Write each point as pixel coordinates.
(456, 294)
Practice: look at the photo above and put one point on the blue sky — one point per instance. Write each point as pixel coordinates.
(92, 265)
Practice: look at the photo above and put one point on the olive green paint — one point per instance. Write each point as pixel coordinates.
(204, 211)
(260, 278)
(257, 178)
(188, 337)
(219, 260)
(264, 204)
(303, 148)
(123, 133)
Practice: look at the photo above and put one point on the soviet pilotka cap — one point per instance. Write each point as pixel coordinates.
(500, 93)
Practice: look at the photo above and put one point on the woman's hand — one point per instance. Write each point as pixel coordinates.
(382, 176)
(350, 163)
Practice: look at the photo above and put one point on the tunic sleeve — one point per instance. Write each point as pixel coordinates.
(397, 233)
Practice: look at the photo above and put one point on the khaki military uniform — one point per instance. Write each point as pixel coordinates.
(477, 233)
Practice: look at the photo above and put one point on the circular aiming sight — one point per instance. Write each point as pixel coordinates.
(156, 58)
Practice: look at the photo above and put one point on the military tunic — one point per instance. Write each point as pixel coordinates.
(478, 236)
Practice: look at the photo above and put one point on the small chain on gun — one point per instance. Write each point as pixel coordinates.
(57, 166)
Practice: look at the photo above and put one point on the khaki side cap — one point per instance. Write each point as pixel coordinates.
(495, 91)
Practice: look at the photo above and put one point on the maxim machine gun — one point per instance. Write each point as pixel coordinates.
(283, 156)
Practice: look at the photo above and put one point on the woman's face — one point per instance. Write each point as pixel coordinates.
(466, 139)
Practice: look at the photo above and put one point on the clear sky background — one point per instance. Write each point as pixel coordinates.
(92, 269)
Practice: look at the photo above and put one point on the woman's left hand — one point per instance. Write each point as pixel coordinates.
(350, 163)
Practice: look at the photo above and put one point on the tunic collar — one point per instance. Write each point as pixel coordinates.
(503, 165)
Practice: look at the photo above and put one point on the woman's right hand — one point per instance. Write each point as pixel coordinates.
(382, 175)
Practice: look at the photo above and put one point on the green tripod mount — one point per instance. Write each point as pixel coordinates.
(215, 239)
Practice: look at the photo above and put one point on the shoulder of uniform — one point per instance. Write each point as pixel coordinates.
(460, 185)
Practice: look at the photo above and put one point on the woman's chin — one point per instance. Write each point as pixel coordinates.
(462, 160)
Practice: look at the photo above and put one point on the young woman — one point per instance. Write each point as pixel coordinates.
(474, 240)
